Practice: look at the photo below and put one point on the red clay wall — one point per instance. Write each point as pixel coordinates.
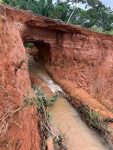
(20, 132)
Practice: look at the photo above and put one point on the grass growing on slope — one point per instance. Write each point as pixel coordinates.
(93, 119)
(95, 122)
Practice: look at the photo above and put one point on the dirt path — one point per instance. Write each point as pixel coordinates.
(65, 120)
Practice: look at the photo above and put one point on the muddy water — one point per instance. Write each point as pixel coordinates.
(65, 120)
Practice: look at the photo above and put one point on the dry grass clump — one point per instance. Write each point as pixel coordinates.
(7, 118)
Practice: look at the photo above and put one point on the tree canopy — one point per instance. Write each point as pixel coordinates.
(95, 15)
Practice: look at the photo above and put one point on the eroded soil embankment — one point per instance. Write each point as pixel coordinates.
(79, 94)
(84, 58)
(65, 120)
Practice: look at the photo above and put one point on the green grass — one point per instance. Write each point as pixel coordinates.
(94, 120)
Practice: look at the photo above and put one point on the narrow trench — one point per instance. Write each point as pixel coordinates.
(65, 120)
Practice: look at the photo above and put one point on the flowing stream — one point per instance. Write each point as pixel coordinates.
(65, 119)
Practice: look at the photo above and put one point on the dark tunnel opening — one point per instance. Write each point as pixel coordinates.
(40, 51)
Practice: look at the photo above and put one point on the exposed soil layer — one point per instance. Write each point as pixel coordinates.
(79, 97)
(18, 131)
(76, 57)
(80, 60)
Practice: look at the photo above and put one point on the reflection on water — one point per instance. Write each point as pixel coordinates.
(65, 120)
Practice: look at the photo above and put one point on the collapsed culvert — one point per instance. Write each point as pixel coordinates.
(39, 50)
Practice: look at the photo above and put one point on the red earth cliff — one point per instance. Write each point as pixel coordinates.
(80, 60)
(18, 131)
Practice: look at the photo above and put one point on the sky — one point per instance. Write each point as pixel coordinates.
(108, 3)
